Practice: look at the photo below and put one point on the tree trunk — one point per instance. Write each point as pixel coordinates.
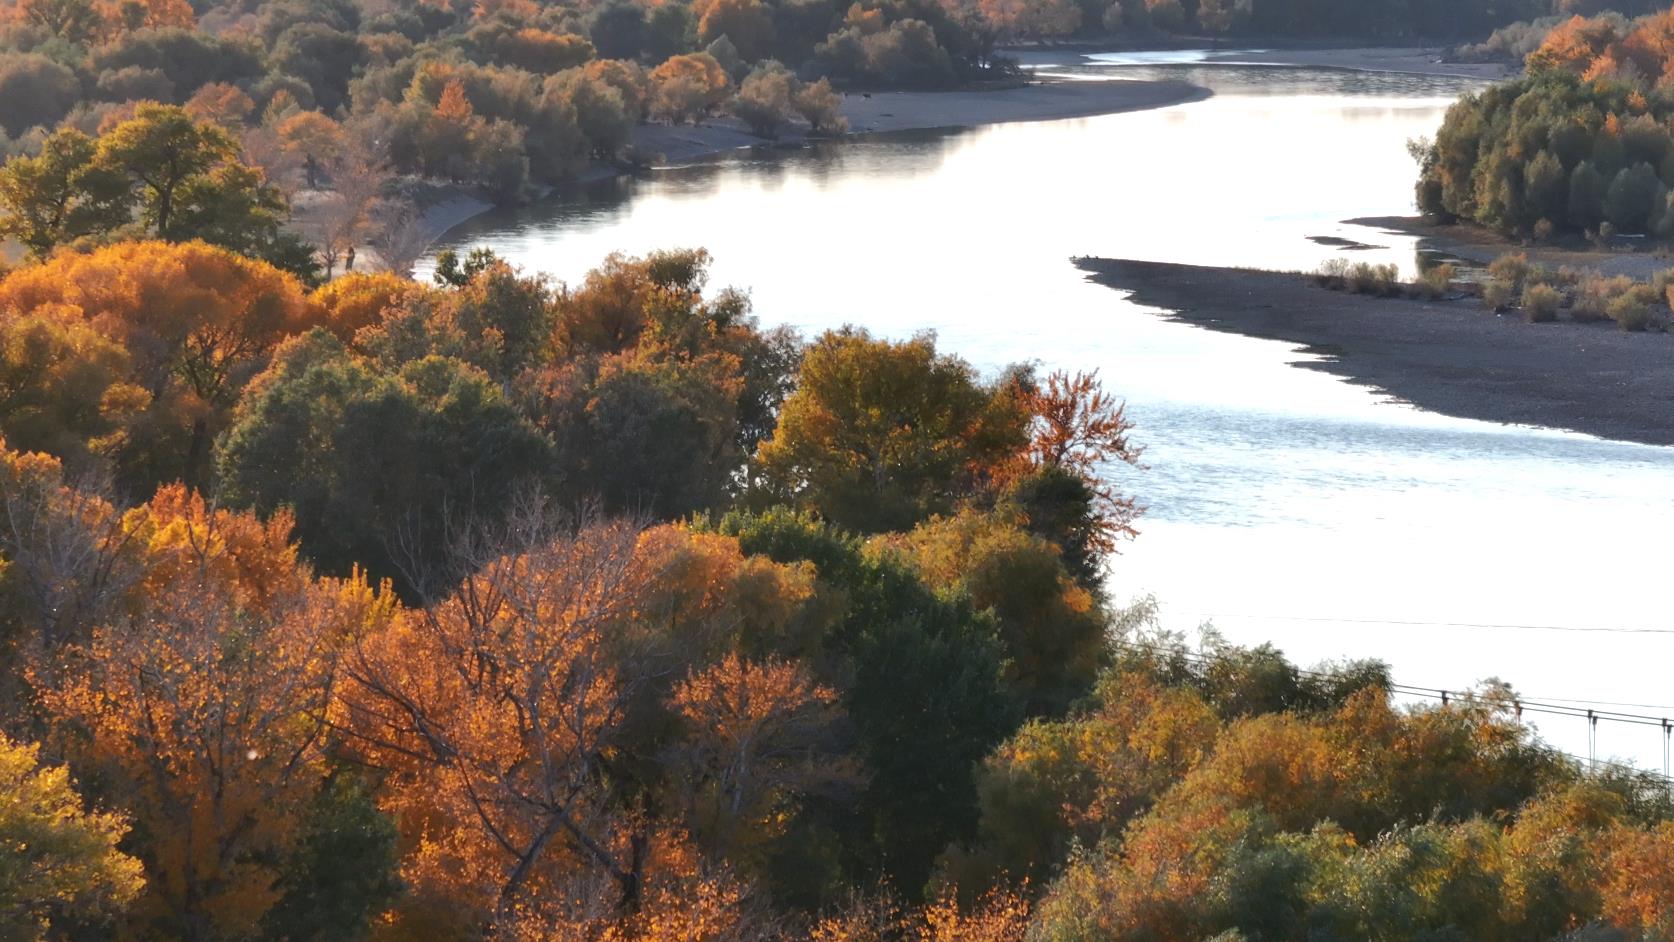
(192, 474)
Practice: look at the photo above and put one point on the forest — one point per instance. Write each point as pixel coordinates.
(1579, 146)
(513, 96)
(337, 605)
(498, 608)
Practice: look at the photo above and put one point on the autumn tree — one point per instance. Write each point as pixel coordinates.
(1032, 18)
(1079, 434)
(748, 24)
(879, 435)
(68, 562)
(359, 300)
(765, 98)
(61, 864)
(1051, 627)
(64, 387)
(686, 87)
(220, 103)
(75, 21)
(202, 709)
(197, 322)
(821, 107)
(493, 711)
(314, 140)
(761, 736)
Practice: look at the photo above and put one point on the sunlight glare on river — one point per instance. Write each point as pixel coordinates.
(1284, 503)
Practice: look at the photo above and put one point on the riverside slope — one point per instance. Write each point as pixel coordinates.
(1451, 357)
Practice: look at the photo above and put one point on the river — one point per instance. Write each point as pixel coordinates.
(1283, 504)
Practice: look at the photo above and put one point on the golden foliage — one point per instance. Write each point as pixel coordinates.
(56, 858)
(359, 300)
(493, 711)
(204, 707)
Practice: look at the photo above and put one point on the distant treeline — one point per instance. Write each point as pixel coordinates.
(1580, 145)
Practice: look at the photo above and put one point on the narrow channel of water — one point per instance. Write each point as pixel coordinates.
(1284, 504)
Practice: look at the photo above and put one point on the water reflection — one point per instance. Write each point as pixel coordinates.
(1283, 502)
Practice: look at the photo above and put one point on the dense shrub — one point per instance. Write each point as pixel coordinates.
(1436, 281)
(1541, 303)
(1594, 294)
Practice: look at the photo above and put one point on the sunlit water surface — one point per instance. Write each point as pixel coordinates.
(1283, 504)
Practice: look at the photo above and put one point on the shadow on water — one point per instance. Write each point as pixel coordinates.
(606, 202)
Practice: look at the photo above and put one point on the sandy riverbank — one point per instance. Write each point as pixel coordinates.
(1480, 245)
(1451, 357)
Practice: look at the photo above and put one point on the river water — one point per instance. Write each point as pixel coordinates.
(1283, 504)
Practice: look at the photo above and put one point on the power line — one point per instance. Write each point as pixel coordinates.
(1519, 705)
(1643, 706)
(1411, 623)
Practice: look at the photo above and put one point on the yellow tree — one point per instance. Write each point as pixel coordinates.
(687, 87)
(198, 322)
(203, 710)
(56, 858)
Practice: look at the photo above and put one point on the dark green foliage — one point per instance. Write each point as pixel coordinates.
(1059, 506)
(618, 29)
(190, 59)
(1251, 681)
(1552, 149)
(344, 872)
(34, 91)
(921, 682)
(385, 470)
(323, 57)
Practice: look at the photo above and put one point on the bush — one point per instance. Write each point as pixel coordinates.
(1540, 303)
(1510, 268)
(1435, 282)
(1630, 312)
(1633, 309)
(1380, 280)
(1497, 295)
(1594, 293)
(1332, 273)
(1359, 277)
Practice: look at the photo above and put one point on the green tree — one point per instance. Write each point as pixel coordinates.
(1586, 196)
(921, 681)
(59, 863)
(164, 151)
(880, 435)
(184, 177)
(384, 470)
(59, 196)
(342, 873)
